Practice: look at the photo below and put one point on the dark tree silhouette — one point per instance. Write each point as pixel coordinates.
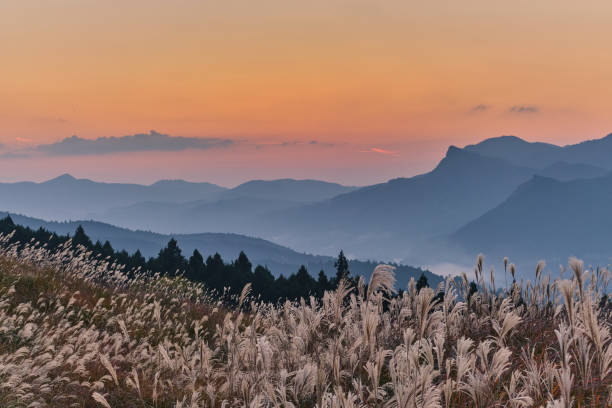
(342, 268)
(422, 282)
(170, 259)
(80, 238)
(196, 268)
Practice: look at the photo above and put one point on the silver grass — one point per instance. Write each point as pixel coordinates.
(99, 398)
(383, 278)
(109, 367)
(344, 350)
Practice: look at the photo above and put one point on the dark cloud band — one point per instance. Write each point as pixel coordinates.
(144, 142)
(524, 109)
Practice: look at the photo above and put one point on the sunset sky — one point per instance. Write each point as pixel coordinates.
(350, 91)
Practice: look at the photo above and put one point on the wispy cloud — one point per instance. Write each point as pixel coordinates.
(321, 144)
(480, 108)
(14, 155)
(292, 143)
(144, 142)
(50, 120)
(379, 151)
(524, 109)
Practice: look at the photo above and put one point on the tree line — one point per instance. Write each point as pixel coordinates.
(214, 272)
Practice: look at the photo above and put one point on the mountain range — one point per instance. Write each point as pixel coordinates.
(66, 197)
(480, 198)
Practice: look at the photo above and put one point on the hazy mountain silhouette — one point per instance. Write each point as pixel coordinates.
(302, 191)
(387, 218)
(564, 171)
(280, 259)
(234, 210)
(546, 219)
(66, 197)
(235, 214)
(540, 155)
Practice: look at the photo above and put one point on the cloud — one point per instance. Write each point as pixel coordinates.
(322, 144)
(48, 120)
(379, 151)
(524, 109)
(13, 155)
(480, 108)
(293, 143)
(144, 142)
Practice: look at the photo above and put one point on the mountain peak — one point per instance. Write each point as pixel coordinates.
(456, 153)
(508, 138)
(452, 150)
(499, 140)
(169, 182)
(62, 178)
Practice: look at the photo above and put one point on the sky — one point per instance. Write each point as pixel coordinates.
(354, 91)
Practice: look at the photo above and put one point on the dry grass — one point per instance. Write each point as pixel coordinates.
(75, 331)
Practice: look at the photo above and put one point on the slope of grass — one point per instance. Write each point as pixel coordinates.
(76, 331)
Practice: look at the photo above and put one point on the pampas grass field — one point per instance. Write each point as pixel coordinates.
(76, 331)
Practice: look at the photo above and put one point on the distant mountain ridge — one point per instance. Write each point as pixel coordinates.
(66, 197)
(280, 259)
(546, 219)
(302, 191)
(594, 152)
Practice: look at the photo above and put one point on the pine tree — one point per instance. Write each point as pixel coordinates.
(342, 268)
(170, 259)
(422, 282)
(264, 283)
(107, 249)
(323, 283)
(80, 238)
(196, 268)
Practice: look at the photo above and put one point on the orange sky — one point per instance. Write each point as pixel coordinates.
(367, 77)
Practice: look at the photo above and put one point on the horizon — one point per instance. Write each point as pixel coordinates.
(95, 176)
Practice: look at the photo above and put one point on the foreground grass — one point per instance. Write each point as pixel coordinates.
(75, 331)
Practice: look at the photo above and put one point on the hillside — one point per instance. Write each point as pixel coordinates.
(549, 219)
(279, 259)
(76, 332)
(564, 171)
